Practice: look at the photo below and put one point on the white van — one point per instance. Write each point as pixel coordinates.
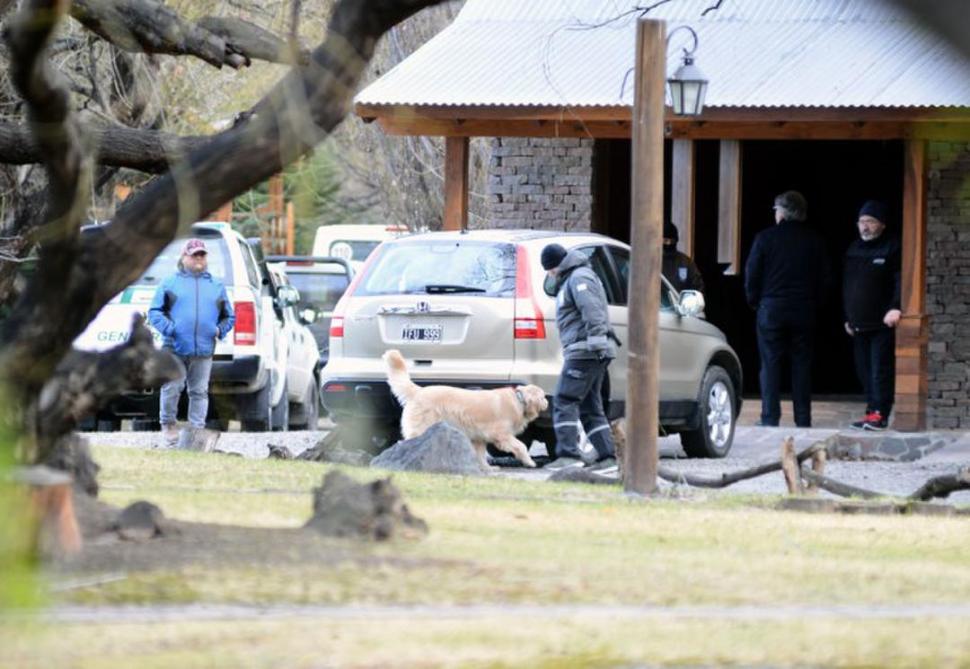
(353, 242)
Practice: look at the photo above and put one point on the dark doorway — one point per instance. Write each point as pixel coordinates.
(836, 177)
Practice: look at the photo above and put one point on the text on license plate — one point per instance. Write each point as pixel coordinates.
(431, 333)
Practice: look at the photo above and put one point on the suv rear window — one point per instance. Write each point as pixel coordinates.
(442, 266)
(319, 290)
(220, 265)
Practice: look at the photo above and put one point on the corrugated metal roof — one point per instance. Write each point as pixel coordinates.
(756, 53)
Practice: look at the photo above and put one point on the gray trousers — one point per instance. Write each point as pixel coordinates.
(579, 397)
(196, 377)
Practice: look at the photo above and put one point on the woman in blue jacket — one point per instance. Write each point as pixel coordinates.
(191, 310)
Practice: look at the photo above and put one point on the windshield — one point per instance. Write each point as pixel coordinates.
(319, 291)
(166, 263)
(470, 268)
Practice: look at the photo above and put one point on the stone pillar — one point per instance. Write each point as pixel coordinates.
(948, 284)
(540, 183)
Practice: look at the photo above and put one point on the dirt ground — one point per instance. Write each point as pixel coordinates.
(184, 544)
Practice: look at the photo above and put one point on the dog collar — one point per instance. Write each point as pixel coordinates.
(519, 396)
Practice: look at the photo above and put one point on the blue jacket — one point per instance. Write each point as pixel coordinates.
(191, 311)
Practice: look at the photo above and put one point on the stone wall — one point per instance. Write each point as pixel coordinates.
(540, 183)
(948, 285)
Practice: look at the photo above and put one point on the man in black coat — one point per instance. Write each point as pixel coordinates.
(871, 296)
(678, 268)
(785, 282)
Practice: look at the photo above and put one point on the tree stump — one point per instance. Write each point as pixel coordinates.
(51, 495)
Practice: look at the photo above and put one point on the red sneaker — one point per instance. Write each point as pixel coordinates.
(876, 422)
(871, 416)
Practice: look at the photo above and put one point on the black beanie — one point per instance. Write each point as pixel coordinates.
(552, 255)
(671, 232)
(878, 210)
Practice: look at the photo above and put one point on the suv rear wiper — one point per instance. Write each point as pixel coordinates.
(451, 288)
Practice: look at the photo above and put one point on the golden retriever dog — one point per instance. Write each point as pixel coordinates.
(485, 416)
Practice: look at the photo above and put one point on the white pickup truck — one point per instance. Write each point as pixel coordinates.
(249, 366)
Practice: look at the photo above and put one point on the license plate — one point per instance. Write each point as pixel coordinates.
(429, 333)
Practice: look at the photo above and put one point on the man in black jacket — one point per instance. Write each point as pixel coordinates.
(678, 268)
(785, 281)
(871, 296)
(583, 319)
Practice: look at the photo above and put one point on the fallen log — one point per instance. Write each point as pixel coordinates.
(727, 478)
(942, 486)
(839, 488)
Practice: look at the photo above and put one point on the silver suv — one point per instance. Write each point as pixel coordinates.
(475, 309)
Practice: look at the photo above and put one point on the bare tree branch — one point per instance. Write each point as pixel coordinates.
(252, 41)
(149, 26)
(117, 146)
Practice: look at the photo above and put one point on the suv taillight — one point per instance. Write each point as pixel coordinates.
(337, 317)
(245, 328)
(528, 322)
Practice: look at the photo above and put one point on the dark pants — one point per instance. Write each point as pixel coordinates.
(875, 362)
(786, 334)
(579, 397)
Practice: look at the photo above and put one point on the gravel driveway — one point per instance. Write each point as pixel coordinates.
(752, 446)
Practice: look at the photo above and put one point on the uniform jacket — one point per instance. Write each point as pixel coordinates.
(581, 311)
(871, 281)
(681, 271)
(787, 268)
(191, 311)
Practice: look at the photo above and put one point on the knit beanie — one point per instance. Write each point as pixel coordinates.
(552, 255)
(878, 210)
(671, 232)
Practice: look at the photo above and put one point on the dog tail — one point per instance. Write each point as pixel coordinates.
(398, 377)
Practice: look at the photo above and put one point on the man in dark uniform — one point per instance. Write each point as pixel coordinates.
(678, 268)
(785, 281)
(871, 296)
(583, 319)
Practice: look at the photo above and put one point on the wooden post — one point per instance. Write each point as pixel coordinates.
(729, 207)
(646, 238)
(290, 228)
(456, 183)
(682, 193)
(911, 333)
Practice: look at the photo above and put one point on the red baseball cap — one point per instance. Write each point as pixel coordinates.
(194, 246)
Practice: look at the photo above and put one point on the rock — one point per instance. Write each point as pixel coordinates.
(376, 510)
(441, 449)
(198, 439)
(329, 449)
(139, 521)
(277, 452)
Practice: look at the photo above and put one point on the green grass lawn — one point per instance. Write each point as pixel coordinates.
(501, 541)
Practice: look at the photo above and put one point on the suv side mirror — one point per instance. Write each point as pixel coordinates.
(691, 303)
(307, 316)
(288, 296)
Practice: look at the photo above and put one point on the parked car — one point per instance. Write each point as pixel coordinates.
(249, 366)
(475, 309)
(302, 368)
(353, 242)
(321, 282)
